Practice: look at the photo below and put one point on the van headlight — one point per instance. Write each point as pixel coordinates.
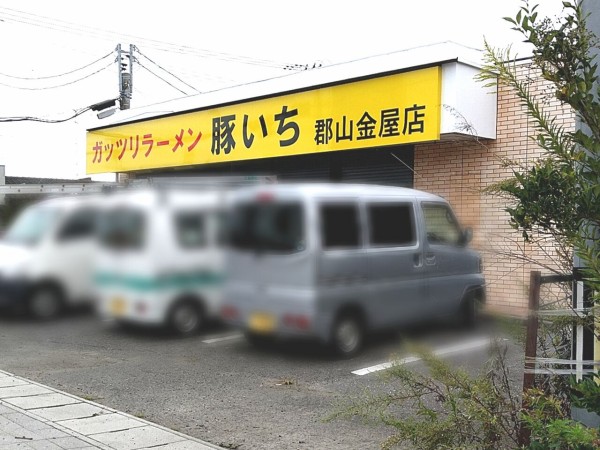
(19, 270)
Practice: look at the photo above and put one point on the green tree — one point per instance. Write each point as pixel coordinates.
(559, 195)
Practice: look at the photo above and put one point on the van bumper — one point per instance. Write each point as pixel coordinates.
(280, 316)
(288, 324)
(125, 306)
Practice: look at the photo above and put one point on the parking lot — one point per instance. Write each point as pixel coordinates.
(216, 386)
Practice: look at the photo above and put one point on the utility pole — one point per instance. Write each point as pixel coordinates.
(125, 62)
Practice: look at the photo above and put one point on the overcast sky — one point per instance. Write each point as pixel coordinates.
(196, 47)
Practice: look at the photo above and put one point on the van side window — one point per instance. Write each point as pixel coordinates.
(222, 237)
(190, 230)
(340, 227)
(80, 224)
(391, 225)
(440, 224)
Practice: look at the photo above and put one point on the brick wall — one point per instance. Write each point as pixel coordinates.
(460, 169)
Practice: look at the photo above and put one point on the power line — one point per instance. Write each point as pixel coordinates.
(58, 85)
(13, 15)
(39, 119)
(158, 76)
(160, 67)
(58, 75)
(187, 50)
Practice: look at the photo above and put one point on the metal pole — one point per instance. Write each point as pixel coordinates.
(131, 47)
(119, 72)
(2, 182)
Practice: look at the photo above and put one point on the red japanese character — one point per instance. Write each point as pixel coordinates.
(97, 149)
(179, 139)
(190, 132)
(109, 148)
(137, 145)
(124, 143)
(148, 141)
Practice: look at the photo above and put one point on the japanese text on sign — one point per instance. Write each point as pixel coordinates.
(389, 110)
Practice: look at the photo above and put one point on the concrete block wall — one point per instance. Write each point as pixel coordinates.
(460, 170)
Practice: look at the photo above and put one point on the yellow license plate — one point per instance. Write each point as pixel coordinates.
(262, 323)
(117, 306)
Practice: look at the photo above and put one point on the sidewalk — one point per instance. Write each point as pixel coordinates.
(34, 416)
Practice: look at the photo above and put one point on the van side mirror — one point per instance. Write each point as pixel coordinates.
(467, 236)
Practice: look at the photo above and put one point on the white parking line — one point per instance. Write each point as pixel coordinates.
(223, 338)
(469, 345)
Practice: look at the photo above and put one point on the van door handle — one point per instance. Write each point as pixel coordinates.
(417, 261)
(430, 259)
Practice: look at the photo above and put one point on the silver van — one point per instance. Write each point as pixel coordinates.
(336, 261)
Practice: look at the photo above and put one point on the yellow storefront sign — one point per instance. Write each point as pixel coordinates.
(389, 110)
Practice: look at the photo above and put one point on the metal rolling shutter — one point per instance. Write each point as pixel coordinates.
(373, 166)
(302, 168)
(379, 166)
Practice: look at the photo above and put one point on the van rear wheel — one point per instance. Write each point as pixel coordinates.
(185, 318)
(347, 335)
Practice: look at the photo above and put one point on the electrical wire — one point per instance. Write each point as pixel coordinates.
(160, 67)
(13, 15)
(161, 78)
(58, 75)
(227, 57)
(40, 119)
(58, 85)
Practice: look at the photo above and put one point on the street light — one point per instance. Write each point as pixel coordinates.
(106, 113)
(103, 105)
(105, 108)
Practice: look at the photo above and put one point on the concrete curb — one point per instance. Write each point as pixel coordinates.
(100, 427)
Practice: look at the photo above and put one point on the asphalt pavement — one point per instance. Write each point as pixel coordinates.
(216, 387)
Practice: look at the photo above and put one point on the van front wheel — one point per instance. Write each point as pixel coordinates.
(470, 311)
(185, 318)
(347, 336)
(45, 302)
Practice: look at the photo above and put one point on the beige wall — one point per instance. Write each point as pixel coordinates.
(459, 170)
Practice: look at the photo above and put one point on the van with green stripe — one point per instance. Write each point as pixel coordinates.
(161, 258)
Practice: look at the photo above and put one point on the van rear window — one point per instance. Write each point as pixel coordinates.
(267, 227)
(122, 229)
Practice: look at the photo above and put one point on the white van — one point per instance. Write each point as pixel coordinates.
(160, 260)
(46, 256)
(336, 261)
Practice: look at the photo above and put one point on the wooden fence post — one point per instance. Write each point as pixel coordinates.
(535, 281)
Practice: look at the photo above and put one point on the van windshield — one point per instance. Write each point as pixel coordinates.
(31, 225)
(268, 227)
(122, 229)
